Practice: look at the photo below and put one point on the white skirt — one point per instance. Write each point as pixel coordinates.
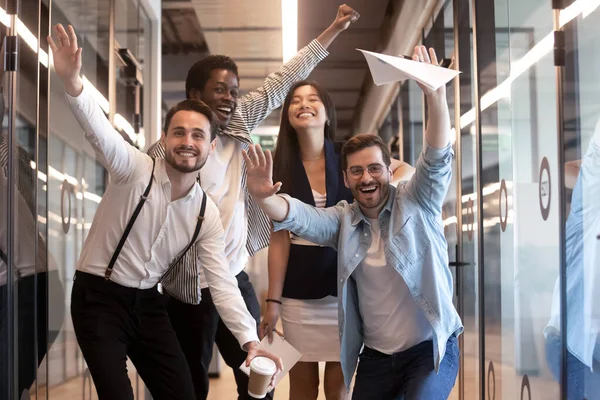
(311, 326)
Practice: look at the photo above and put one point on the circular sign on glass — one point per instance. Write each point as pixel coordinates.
(525, 384)
(503, 205)
(470, 218)
(545, 188)
(491, 382)
(66, 189)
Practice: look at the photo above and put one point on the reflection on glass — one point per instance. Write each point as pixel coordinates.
(32, 269)
(469, 301)
(582, 281)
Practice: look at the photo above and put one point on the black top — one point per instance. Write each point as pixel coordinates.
(312, 270)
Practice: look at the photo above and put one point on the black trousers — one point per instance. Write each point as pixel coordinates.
(113, 322)
(199, 327)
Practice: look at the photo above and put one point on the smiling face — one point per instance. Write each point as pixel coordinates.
(221, 94)
(187, 142)
(306, 109)
(371, 192)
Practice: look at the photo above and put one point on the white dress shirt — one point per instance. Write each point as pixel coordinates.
(163, 228)
(221, 176)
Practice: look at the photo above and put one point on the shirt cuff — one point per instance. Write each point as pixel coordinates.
(435, 155)
(287, 222)
(317, 49)
(76, 101)
(248, 337)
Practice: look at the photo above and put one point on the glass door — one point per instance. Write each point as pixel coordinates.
(468, 288)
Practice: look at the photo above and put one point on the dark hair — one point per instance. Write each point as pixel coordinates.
(287, 149)
(361, 142)
(201, 71)
(197, 106)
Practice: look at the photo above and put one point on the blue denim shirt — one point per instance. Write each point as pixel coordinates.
(583, 265)
(414, 244)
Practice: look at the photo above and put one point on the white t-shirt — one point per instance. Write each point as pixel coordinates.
(392, 320)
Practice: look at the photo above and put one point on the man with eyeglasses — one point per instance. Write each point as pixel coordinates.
(393, 278)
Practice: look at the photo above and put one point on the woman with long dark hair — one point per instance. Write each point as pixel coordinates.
(302, 275)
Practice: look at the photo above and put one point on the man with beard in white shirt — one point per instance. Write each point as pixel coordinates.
(116, 308)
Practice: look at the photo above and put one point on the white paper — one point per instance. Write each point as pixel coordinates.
(388, 69)
(281, 348)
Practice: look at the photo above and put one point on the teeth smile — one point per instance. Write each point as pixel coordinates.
(186, 154)
(305, 115)
(224, 109)
(369, 189)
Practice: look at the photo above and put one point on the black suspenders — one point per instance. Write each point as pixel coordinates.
(137, 210)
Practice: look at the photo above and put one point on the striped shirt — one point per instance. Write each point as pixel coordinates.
(223, 177)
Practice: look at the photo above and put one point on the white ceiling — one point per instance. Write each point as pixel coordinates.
(250, 33)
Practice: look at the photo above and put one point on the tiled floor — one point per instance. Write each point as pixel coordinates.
(507, 380)
(224, 386)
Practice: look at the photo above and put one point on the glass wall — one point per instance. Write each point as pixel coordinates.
(580, 148)
(51, 184)
(522, 216)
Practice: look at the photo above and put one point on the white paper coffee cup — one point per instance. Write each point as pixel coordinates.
(262, 370)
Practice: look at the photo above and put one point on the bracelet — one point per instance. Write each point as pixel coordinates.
(273, 301)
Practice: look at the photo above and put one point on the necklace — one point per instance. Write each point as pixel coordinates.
(315, 159)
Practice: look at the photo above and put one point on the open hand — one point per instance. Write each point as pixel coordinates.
(345, 16)
(259, 173)
(67, 58)
(430, 57)
(255, 349)
(269, 322)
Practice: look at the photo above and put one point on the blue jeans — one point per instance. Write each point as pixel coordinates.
(406, 375)
(582, 382)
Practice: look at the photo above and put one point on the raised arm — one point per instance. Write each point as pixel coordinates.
(433, 172)
(590, 176)
(317, 225)
(259, 174)
(260, 102)
(401, 171)
(115, 154)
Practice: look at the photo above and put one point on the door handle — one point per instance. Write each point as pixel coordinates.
(458, 264)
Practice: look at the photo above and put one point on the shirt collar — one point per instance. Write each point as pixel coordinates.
(357, 214)
(160, 173)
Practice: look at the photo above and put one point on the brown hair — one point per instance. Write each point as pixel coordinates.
(361, 142)
(196, 106)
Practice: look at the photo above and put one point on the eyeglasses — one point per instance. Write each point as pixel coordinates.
(375, 170)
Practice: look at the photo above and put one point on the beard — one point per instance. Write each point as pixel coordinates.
(377, 201)
(185, 168)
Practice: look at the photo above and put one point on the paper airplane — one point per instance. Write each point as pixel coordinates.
(387, 69)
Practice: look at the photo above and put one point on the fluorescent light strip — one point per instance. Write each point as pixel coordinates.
(29, 38)
(98, 97)
(579, 7)
(26, 35)
(54, 173)
(122, 124)
(4, 18)
(289, 28)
